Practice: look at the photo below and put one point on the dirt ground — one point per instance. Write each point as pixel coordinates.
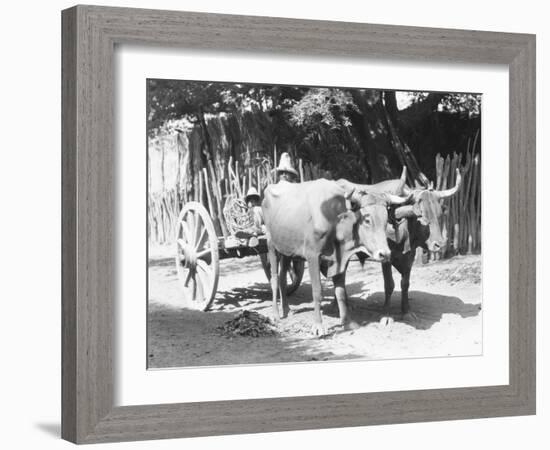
(445, 297)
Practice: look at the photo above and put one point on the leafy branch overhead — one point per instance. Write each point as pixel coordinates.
(323, 106)
(367, 134)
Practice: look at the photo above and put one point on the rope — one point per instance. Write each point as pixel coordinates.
(236, 214)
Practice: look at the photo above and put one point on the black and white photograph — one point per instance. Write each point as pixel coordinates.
(271, 225)
(292, 224)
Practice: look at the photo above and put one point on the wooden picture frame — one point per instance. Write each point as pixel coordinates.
(89, 37)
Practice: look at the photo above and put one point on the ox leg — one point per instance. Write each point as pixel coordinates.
(318, 329)
(273, 261)
(405, 270)
(342, 299)
(389, 286)
(285, 263)
(405, 278)
(335, 303)
(333, 307)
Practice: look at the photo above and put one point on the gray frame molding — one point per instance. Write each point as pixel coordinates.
(89, 36)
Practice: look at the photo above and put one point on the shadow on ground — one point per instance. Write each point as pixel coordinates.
(181, 337)
(258, 295)
(427, 308)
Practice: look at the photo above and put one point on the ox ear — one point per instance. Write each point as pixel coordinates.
(353, 199)
(344, 226)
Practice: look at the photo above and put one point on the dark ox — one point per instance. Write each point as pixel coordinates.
(321, 223)
(417, 225)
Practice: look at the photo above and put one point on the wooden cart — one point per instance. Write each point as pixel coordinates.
(199, 251)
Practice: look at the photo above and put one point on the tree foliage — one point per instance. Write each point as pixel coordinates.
(323, 107)
(170, 100)
(362, 132)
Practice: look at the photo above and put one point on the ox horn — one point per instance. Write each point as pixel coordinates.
(450, 192)
(350, 198)
(398, 200)
(402, 180)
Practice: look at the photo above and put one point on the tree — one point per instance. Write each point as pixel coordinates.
(376, 126)
(365, 116)
(171, 100)
(365, 134)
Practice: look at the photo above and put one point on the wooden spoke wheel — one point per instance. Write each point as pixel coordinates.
(293, 276)
(197, 257)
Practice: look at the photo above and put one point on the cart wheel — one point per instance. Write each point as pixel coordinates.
(294, 274)
(197, 257)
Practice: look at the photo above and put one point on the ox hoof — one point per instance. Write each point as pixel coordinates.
(386, 321)
(318, 329)
(409, 317)
(276, 316)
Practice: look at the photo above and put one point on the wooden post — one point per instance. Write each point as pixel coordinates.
(178, 171)
(228, 188)
(231, 176)
(438, 171)
(474, 196)
(237, 180)
(200, 189)
(216, 192)
(455, 238)
(209, 198)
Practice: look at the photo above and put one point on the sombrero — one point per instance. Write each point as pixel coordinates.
(285, 165)
(252, 192)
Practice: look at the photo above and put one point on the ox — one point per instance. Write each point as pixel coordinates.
(312, 220)
(415, 225)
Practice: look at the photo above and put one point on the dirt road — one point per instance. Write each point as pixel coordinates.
(445, 297)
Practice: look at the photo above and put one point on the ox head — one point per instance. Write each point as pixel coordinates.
(366, 221)
(427, 211)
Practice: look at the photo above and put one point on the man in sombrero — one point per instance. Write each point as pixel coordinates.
(253, 202)
(285, 171)
(255, 214)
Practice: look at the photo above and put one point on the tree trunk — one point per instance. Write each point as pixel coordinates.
(206, 153)
(384, 150)
(178, 171)
(406, 157)
(375, 136)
